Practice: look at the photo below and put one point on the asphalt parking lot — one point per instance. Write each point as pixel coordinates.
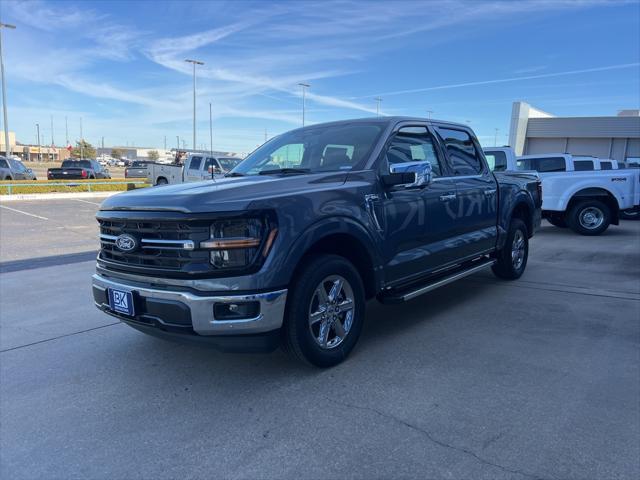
(538, 378)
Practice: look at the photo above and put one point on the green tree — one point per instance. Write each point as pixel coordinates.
(153, 155)
(83, 149)
(117, 153)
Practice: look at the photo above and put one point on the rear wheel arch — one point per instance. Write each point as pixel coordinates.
(596, 193)
(523, 211)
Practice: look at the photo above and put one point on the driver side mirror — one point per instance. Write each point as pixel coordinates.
(409, 174)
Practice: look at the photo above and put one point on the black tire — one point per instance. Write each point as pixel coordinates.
(299, 337)
(557, 221)
(162, 181)
(506, 266)
(589, 217)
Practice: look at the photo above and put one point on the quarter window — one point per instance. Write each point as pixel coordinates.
(411, 147)
(465, 159)
(3, 163)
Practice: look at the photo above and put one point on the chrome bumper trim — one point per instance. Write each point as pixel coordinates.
(272, 305)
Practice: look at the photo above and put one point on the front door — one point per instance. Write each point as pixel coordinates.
(418, 222)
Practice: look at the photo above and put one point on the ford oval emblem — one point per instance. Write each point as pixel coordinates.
(126, 242)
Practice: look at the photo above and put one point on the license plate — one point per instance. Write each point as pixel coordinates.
(121, 301)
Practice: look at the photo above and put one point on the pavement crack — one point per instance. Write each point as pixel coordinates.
(58, 337)
(435, 440)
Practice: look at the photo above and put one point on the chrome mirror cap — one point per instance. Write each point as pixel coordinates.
(421, 169)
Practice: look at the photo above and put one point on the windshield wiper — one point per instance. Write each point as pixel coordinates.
(234, 174)
(285, 171)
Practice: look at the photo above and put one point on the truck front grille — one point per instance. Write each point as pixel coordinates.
(162, 246)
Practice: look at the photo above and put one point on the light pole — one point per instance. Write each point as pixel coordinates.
(210, 131)
(304, 89)
(39, 148)
(52, 142)
(81, 141)
(429, 112)
(194, 62)
(378, 100)
(495, 139)
(66, 130)
(7, 144)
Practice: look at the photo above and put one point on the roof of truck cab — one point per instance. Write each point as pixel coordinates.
(386, 121)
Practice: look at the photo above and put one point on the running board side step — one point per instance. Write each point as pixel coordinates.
(395, 296)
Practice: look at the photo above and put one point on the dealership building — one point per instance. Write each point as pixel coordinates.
(534, 131)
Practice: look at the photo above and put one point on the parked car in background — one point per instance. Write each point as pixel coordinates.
(587, 201)
(14, 169)
(137, 169)
(197, 167)
(292, 242)
(78, 170)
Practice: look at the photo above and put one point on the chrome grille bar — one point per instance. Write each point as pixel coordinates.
(155, 243)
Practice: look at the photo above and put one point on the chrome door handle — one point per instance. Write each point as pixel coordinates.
(490, 192)
(447, 197)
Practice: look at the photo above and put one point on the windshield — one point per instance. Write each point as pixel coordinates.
(315, 149)
(228, 163)
(76, 164)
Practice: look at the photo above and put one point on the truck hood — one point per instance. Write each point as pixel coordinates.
(222, 194)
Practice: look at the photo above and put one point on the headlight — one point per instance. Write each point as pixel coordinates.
(239, 243)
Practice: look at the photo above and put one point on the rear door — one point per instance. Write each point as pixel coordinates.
(192, 172)
(477, 191)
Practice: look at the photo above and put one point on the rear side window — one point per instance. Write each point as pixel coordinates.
(464, 158)
(497, 161)
(583, 165)
(551, 164)
(3, 163)
(606, 166)
(195, 163)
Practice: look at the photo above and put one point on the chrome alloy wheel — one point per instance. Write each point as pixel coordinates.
(331, 311)
(591, 218)
(517, 249)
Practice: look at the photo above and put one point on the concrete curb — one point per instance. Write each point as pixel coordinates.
(55, 196)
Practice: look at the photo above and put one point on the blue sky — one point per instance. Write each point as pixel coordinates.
(120, 65)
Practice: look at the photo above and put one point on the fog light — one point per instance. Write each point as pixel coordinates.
(236, 311)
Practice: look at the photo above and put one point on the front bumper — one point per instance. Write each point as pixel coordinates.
(181, 314)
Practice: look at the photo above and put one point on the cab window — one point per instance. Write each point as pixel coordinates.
(195, 163)
(408, 146)
(549, 164)
(463, 156)
(497, 161)
(583, 165)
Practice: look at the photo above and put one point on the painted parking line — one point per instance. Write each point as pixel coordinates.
(86, 201)
(24, 213)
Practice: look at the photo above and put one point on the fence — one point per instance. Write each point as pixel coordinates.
(46, 187)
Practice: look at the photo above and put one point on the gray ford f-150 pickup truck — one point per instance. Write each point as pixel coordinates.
(288, 246)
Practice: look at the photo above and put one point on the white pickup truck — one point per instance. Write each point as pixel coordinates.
(587, 200)
(197, 167)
